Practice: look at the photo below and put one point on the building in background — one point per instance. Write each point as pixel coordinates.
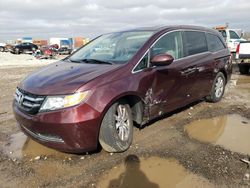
(40, 42)
(80, 41)
(72, 43)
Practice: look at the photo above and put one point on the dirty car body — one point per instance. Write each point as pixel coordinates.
(99, 92)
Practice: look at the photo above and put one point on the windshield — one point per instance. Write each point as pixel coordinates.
(117, 48)
(233, 35)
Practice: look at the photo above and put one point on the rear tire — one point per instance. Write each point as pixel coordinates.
(218, 88)
(116, 131)
(2, 49)
(244, 69)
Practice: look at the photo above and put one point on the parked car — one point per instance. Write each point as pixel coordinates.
(2, 47)
(25, 47)
(243, 57)
(8, 47)
(97, 94)
(64, 51)
(231, 36)
(46, 52)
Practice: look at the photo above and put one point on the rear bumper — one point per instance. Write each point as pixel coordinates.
(244, 56)
(72, 130)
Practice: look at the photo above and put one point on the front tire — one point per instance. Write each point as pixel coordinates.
(218, 88)
(116, 131)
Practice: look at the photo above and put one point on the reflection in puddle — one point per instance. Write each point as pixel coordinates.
(153, 172)
(21, 146)
(230, 131)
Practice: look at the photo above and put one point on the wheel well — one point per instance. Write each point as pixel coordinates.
(225, 74)
(137, 107)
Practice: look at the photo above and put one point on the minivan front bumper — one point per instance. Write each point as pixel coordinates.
(74, 129)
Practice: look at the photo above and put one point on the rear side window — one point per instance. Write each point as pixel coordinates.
(195, 42)
(214, 43)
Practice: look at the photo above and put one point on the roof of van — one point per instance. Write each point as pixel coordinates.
(170, 27)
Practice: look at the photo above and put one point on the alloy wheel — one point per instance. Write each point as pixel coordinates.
(122, 122)
(219, 87)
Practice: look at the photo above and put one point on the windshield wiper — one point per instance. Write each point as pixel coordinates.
(97, 61)
(73, 61)
(91, 61)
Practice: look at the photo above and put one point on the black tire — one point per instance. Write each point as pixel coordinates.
(244, 69)
(109, 137)
(217, 92)
(2, 49)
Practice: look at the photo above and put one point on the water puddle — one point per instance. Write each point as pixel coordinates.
(153, 172)
(230, 131)
(243, 83)
(21, 146)
(243, 80)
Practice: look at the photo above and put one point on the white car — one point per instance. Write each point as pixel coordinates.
(243, 56)
(232, 38)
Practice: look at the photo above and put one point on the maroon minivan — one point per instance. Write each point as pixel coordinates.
(97, 94)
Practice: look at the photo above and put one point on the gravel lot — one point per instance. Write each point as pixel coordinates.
(24, 163)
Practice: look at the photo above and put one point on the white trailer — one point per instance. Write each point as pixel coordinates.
(57, 41)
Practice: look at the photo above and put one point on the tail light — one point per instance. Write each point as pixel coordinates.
(237, 51)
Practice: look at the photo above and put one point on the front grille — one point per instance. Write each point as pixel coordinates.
(28, 102)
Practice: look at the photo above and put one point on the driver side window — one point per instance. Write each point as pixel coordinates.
(171, 44)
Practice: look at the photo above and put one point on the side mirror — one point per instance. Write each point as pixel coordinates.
(162, 60)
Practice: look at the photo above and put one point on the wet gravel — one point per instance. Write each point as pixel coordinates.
(164, 138)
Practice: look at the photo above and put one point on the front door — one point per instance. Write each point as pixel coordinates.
(171, 84)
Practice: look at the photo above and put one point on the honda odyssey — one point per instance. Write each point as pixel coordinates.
(118, 80)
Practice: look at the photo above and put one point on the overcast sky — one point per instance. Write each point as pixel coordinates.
(89, 18)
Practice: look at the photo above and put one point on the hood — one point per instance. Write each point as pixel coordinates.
(63, 77)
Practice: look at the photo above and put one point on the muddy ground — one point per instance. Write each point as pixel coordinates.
(23, 163)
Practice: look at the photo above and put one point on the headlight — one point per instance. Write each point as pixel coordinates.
(59, 102)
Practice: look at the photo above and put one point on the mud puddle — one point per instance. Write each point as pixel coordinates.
(244, 83)
(230, 131)
(21, 146)
(243, 80)
(153, 172)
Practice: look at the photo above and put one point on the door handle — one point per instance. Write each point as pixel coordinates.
(188, 71)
